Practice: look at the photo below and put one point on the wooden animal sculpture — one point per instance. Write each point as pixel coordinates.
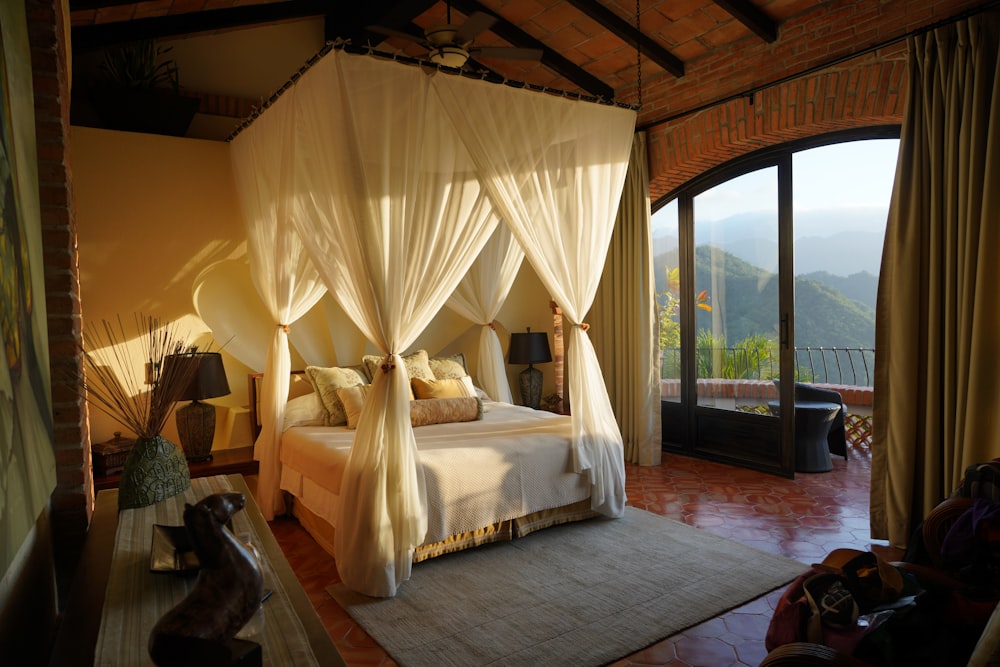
(227, 593)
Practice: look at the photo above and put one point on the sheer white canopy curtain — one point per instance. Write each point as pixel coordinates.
(554, 169)
(388, 198)
(479, 298)
(392, 202)
(285, 278)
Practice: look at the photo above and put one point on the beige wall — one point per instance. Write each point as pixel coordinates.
(158, 217)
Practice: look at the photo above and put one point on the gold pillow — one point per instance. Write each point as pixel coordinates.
(445, 410)
(448, 367)
(326, 382)
(447, 388)
(353, 399)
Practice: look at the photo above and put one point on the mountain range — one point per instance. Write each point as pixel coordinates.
(830, 310)
(840, 242)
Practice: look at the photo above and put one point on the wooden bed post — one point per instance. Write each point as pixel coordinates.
(558, 356)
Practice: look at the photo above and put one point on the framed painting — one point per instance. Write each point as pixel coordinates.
(27, 460)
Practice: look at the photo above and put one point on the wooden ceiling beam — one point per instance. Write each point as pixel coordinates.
(628, 33)
(85, 5)
(557, 63)
(173, 25)
(391, 14)
(753, 18)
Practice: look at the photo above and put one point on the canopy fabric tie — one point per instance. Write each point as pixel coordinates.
(388, 364)
(491, 325)
(284, 327)
(583, 326)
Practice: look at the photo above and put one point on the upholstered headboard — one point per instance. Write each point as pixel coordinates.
(298, 386)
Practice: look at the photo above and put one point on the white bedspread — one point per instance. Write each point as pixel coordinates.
(512, 462)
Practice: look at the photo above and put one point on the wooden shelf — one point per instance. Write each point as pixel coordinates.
(224, 462)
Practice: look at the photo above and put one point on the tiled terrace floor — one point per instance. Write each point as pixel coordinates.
(804, 519)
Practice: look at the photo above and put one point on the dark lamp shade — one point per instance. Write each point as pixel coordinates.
(529, 348)
(208, 381)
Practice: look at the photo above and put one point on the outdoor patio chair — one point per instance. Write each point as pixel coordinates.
(837, 438)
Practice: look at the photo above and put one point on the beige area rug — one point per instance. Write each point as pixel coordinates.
(580, 594)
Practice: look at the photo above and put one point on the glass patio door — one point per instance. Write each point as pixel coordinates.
(735, 289)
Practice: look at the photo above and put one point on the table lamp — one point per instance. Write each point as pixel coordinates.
(196, 420)
(530, 348)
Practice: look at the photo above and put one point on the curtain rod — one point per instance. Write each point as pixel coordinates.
(484, 75)
(749, 93)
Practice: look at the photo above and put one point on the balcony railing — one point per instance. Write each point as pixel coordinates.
(846, 370)
(826, 365)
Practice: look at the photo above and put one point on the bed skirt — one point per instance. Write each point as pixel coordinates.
(502, 531)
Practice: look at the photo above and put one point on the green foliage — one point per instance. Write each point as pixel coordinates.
(669, 303)
(754, 357)
(138, 65)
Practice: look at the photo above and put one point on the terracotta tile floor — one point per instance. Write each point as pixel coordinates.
(804, 519)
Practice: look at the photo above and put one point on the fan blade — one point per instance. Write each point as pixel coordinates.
(389, 32)
(508, 52)
(475, 24)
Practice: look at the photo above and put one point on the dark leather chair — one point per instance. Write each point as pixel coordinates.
(837, 438)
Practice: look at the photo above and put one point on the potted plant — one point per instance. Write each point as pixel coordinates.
(139, 91)
(130, 379)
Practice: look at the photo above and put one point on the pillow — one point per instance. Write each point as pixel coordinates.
(305, 410)
(353, 399)
(445, 410)
(327, 381)
(416, 365)
(447, 388)
(448, 367)
(362, 371)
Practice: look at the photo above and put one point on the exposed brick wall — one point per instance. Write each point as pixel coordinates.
(72, 501)
(864, 92)
(819, 34)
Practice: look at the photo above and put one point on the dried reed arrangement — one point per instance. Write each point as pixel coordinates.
(141, 402)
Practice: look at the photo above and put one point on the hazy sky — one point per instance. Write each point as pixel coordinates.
(846, 175)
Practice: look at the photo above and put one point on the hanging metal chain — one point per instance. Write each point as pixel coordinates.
(638, 55)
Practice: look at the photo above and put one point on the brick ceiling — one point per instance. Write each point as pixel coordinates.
(693, 52)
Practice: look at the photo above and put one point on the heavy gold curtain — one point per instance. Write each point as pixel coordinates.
(624, 316)
(937, 379)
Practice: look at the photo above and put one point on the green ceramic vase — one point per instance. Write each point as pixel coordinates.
(154, 470)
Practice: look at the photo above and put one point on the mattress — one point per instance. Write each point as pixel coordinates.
(514, 463)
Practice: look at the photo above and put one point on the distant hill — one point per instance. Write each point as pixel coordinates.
(841, 242)
(861, 287)
(824, 315)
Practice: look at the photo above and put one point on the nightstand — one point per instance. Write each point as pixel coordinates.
(223, 462)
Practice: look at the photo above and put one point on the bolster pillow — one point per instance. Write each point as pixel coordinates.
(445, 410)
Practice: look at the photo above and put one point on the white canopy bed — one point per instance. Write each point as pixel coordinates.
(383, 183)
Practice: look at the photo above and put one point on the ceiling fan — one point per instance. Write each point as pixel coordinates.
(450, 45)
